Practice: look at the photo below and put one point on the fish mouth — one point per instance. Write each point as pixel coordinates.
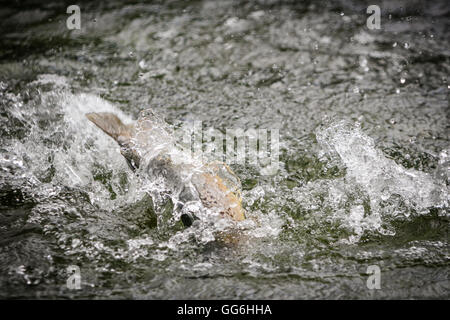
(188, 219)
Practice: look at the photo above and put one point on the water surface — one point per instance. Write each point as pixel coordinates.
(363, 118)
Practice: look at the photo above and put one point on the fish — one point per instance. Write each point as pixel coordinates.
(208, 184)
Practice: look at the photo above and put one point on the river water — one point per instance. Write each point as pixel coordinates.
(363, 122)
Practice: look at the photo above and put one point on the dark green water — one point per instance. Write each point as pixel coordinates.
(363, 119)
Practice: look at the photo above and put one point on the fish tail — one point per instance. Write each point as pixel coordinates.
(111, 125)
(122, 133)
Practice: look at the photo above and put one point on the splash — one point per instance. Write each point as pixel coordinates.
(61, 148)
(392, 190)
(381, 177)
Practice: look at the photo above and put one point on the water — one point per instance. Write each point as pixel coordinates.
(364, 149)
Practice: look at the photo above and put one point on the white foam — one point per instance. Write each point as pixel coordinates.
(379, 176)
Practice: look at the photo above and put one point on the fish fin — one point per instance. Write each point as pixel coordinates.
(132, 157)
(112, 125)
(122, 133)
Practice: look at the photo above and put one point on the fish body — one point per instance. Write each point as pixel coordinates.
(207, 183)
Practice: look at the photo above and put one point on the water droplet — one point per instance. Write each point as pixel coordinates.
(142, 64)
(397, 91)
(363, 62)
(448, 87)
(395, 44)
(406, 45)
(342, 14)
(402, 80)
